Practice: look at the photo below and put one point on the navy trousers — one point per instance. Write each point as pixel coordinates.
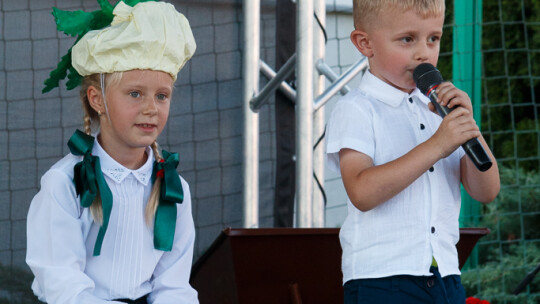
(406, 289)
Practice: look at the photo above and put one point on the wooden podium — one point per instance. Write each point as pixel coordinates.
(281, 266)
(467, 240)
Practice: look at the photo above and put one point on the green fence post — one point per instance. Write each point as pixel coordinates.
(467, 73)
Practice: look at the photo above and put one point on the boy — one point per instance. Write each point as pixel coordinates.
(401, 164)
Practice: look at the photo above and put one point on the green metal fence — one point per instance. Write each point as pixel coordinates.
(508, 84)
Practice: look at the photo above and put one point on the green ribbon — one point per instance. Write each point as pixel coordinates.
(171, 194)
(89, 181)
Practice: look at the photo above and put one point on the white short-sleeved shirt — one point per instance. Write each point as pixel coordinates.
(401, 235)
(61, 237)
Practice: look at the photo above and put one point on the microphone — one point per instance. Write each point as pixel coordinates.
(427, 79)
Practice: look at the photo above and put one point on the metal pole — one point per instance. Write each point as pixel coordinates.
(338, 85)
(284, 87)
(325, 70)
(318, 118)
(304, 113)
(258, 100)
(251, 120)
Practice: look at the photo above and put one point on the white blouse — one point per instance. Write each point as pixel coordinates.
(61, 236)
(402, 235)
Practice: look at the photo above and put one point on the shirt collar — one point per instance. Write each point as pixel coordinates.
(376, 88)
(117, 172)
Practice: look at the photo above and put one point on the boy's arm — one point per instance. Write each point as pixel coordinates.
(369, 186)
(481, 186)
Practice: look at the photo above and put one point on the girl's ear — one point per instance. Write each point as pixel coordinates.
(95, 100)
(361, 41)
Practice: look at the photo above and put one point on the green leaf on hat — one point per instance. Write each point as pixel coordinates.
(59, 73)
(106, 7)
(72, 23)
(78, 23)
(134, 2)
(74, 79)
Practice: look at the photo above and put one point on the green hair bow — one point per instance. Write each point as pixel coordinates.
(77, 24)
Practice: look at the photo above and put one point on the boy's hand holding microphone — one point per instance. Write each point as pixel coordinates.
(428, 79)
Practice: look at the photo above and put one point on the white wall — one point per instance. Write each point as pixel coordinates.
(339, 5)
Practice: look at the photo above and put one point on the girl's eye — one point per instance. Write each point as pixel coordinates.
(161, 97)
(134, 94)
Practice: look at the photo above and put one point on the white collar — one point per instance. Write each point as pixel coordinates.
(117, 172)
(376, 88)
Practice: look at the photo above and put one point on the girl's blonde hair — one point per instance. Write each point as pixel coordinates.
(366, 12)
(91, 118)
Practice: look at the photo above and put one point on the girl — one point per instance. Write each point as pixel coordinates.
(112, 222)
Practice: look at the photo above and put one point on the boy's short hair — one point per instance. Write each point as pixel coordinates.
(367, 11)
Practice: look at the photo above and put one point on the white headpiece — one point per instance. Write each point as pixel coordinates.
(148, 36)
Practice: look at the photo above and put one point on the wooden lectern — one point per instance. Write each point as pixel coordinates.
(467, 240)
(281, 266)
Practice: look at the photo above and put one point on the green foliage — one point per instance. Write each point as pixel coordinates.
(445, 55)
(510, 123)
(496, 279)
(512, 249)
(497, 282)
(516, 205)
(511, 45)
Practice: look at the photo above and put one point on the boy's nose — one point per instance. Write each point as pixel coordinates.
(422, 53)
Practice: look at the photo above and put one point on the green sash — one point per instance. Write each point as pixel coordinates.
(89, 182)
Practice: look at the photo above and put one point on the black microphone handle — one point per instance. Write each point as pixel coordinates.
(472, 147)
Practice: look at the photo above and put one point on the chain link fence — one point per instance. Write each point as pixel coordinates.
(510, 124)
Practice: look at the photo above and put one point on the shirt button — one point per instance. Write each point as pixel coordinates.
(430, 282)
(431, 169)
(422, 127)
(432, 229)
(410, 99)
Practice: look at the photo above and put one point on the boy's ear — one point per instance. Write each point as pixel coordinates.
(94, 99)
(361, 41)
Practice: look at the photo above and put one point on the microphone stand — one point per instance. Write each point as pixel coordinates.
(526, 281)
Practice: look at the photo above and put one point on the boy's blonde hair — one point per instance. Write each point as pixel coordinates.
(366, 12)
(91, 117)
